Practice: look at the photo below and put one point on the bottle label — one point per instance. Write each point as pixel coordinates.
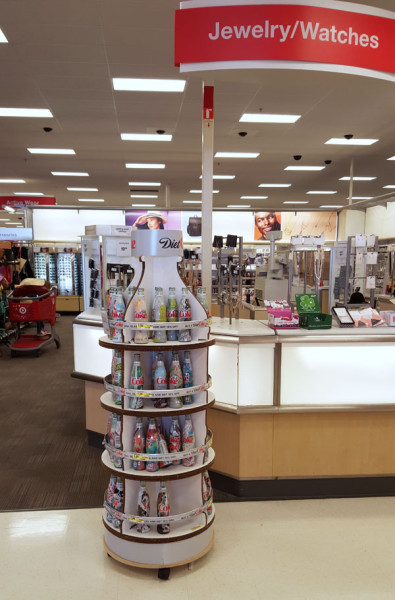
(174, 443)
(138, 443)
(175, 381)
(137, 381)
(163, 509)
(186, 315)
(141, 315)
(172, 314)
(187, 380)
(161, 381)
(189, 441)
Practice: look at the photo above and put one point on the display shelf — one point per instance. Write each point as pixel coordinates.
(164, 474)
(105, 342)
(108, 403)
(180, 530)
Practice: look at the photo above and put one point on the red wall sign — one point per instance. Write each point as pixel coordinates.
(16, 201)
(208, 102)
(286, 32)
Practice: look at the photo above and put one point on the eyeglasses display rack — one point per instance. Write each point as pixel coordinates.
(158, 509)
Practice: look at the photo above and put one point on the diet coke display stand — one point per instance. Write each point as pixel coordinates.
(189, 491)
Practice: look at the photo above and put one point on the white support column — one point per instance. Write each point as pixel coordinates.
(207, 193)
(351, 185)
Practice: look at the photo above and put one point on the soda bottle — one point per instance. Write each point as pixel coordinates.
(117, 442)
(159, 316)
(207, 491)
(188, 441)
(201, 296)
(113, 427)
(136, 382)
(163, 449)
(172, 314)
(163, 508)
(160, 381)
(175, 438)
(154, 364)
(187, 375)
(118, 501)
(175, 380)
(143, 507)
(138, 445)
(184, 314)
(129, 293)
(152, 445)
(140, 316)
(110, 496)
(116, 314)
(116, 374)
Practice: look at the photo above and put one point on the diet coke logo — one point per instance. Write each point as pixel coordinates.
(137, 381)
(166, 243)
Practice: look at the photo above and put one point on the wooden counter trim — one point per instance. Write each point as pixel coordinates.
(87, 377)
(318, 408)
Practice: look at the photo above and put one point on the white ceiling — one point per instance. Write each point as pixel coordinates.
(63, 56)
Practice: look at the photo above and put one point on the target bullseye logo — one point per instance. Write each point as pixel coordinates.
(22, 310)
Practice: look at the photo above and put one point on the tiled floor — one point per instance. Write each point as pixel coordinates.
(312, 550)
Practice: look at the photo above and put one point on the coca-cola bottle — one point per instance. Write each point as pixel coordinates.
(172, 314)
(159, 316)
(117, 441)
(116, 374)
(136, 382)
(187, 375)
(175, 438)
(175, 380)
(163, 508)
(138, 445)
(163, 449)
(118, 501)
(152, 445)
(143, 508)
(201, 296)
(188, 441)
(117, 311)
(110, 496)
(140, 316)
(184, 314)
(154, 363)
(207, 491)
(160, 381)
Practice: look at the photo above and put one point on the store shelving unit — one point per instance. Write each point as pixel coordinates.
(191, 517)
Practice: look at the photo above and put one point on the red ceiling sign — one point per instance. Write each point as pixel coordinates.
(16, 201)
(208, 36)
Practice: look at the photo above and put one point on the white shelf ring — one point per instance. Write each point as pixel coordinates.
(159, 520)
(121, 391)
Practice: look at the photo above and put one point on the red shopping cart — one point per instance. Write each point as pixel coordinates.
(28, 304)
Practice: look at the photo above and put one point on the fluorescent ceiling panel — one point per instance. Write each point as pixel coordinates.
(192, 201)
(3, 39)
(321, 192)
(253, 197)
(148, 85)
(331, 206)
(144, 205)
(391, 158)
(239, 205)
(200, 191)
(274, 185)
(26, 112)
(361, 198)
(357, 178)
(144, 166)
(221, 176)
(295, 202)
(51, 150)
(352, 142)
(237, 154)
(90, 199)
(268, 118)
(307, 168)
(12, 181)
(389, 187)
(28, 194)
(143, 195)
(145, 183)
(69, 174)
(82, 189)
(146, 137)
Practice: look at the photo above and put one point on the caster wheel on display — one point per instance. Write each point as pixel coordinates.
(164, 574)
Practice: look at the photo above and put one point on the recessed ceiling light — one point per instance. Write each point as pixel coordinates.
(147, 183)
(357, 178)
(144, 205)
(221, 176)
(351, 142)
(253, 197)
(274, 185)
(293, 168)
(5, 220)
(12, 181)
(321, 192)
(200, 191)
(3, 39)
(389, 187)
(148, 85)
(82, 189)
(146, 137)
(26, 112)
(143, 195)
(361, 198)
(266, 118)
(192, 201)
(391, 158)
(19, 226)
(28, 194)
(239, 205)
(51, 150)
(145, 165)
(236, 154)
(8, 209)
(331, 206)
(295, 202)
(70, 174)
(90, 200)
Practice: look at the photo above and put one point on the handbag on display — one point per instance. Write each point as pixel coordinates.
(194, 228)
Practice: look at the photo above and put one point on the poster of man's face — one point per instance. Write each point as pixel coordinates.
(266, 221)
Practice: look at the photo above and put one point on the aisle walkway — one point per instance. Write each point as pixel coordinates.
(339, 549)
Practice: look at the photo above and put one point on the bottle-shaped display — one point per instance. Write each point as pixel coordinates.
(117, 311)
(138, 445)
(143, 508)
(160, 381)
(188, 441)
(118, 501)
(184, 314)
(117, 441)
(175, 380)
(140, 316)
(187, 376)
(163, 449)
(163, 507)
(152, 445)
(159, 316)
(175, 438)
(116, 374)
(110, 496)
(136, 382)
(172, 314)
(207, 491)
(201, 296)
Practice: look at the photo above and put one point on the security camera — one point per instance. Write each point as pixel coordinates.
(160, 131)
(348, 136)
(242, 133)
(47, 129)
(297, 156)
(327, 162)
